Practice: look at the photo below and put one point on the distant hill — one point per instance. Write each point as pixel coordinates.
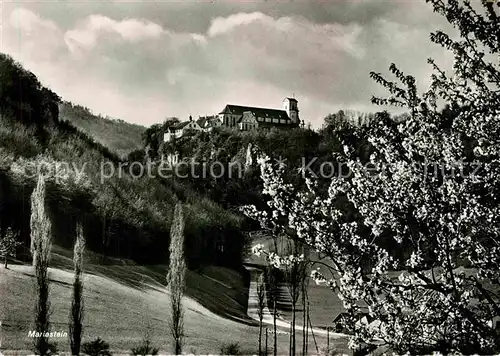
(119, 136)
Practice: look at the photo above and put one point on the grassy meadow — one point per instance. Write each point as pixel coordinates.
(123, 300)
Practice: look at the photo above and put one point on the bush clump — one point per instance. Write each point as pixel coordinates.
(145, 349)
(98, 347)
(232, 348)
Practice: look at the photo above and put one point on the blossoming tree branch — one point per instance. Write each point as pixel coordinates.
(418, 249)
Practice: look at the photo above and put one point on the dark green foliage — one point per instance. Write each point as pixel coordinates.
(51, 348)
(232, 348)
(118, 223)
(136, 156)
(8, 245)
(238, 185)
(145, 349)
(127, 231)
(117, 135)
(22, 97)
(97, 347)
(152, 137)
(18, 139)
(368, 349)
(124, 216)
(241, 185)
(213, 234)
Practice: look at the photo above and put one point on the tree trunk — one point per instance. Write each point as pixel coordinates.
(260, 336)
(328, 340)
(1, 237)
(306, 318)
(293, 327)
(304, 338)
(265, 353)
(275, 346)
(178, 347)
(105, 234)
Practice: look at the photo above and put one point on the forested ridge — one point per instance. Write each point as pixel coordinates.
(123, 216)
(119, 136)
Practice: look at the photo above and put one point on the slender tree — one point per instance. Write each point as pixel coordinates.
(176, 279)
(294, 277)
(40, 248)
(303, 291)
(272, 291)
(76, 313)
(8, 245)
(261, 299)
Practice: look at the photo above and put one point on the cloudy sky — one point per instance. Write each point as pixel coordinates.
(144, 61)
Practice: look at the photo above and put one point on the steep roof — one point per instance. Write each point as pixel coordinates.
(340, 317)
(213, 121)
(258, 112)
(203, 120)
(179, 125)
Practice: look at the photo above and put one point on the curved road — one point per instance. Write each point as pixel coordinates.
(253, 303)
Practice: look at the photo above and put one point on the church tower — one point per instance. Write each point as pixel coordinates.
(291, 108)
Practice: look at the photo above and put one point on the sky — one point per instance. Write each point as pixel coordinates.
(145, 61)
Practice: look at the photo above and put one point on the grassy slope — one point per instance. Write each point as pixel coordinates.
(223, 291)
(115, 312)
(121, 300)
(119, 136)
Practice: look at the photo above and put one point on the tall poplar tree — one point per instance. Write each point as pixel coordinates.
(76, 313)
(40, 249)
(176, 279)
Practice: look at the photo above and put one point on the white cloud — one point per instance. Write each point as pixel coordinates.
(26, 35)
(221, 25)
(136, 30)
(87, 34)
(27, 21)
(142, 70)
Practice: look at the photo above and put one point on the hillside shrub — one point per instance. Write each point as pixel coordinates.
(232, 348)
(145, 348)
(97, 347)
